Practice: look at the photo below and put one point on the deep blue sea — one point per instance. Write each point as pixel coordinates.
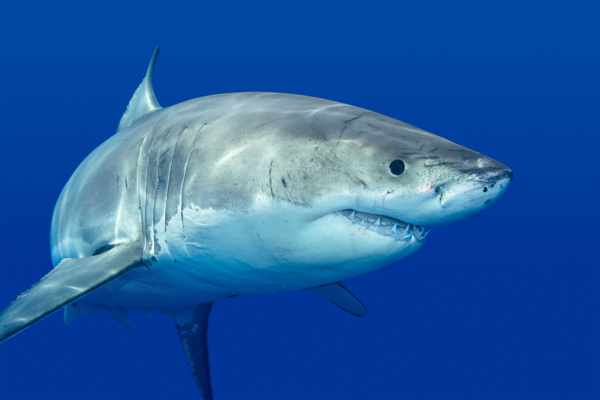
(502, 305)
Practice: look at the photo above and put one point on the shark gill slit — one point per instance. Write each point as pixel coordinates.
(145, 226)
(156, 190)
(138, 178)
(168, 187)
(185, 168)
(169, 177)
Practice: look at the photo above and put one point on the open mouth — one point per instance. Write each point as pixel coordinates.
(386, 226)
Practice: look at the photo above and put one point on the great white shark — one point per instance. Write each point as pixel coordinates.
(245, 193)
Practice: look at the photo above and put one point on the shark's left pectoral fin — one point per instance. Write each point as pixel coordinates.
(68, 281)
(339, 295)
(192, 324)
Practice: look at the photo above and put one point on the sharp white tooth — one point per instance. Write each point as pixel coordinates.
(407, 237)
(422, 230)
(378, 222)
(425, 235)
(353, 215)
(376, 229)
(395, 228)
(407, 229)
(362, 222)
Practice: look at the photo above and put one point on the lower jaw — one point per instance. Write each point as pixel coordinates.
(386, 226)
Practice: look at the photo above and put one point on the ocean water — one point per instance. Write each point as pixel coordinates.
(503, 305)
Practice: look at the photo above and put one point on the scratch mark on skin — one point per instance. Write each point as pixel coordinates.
(270, 180)
(363, 183)
(345, 128)
(357, 117)
(313, 112)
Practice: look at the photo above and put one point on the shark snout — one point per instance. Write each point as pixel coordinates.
(478, 187)
(493, 175)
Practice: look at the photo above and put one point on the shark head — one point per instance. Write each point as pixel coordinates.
(327, 187)
(414, 176)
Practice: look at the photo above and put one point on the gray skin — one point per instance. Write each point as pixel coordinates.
(223, 152)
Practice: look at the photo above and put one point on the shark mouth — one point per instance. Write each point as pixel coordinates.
(386, 226)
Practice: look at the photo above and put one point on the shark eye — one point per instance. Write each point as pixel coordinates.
(397, 167)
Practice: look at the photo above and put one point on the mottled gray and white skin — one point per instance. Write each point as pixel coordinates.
(247, 193)
(242, 193)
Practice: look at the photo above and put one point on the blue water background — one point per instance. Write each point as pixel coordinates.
(503, 305)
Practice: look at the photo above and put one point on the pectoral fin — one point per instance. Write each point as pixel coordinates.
(191, 325)
(68, 281)
(337, 294)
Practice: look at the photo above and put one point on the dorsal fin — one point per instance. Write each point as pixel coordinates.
(143, 101)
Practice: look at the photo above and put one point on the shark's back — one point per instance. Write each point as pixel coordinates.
(131, 186)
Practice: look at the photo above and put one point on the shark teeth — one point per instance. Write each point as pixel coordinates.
(387, 226)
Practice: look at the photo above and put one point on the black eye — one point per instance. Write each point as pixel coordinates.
(397, 167)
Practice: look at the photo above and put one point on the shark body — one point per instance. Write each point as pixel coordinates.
(245, 193)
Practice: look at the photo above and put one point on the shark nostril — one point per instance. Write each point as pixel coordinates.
(485, 189)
